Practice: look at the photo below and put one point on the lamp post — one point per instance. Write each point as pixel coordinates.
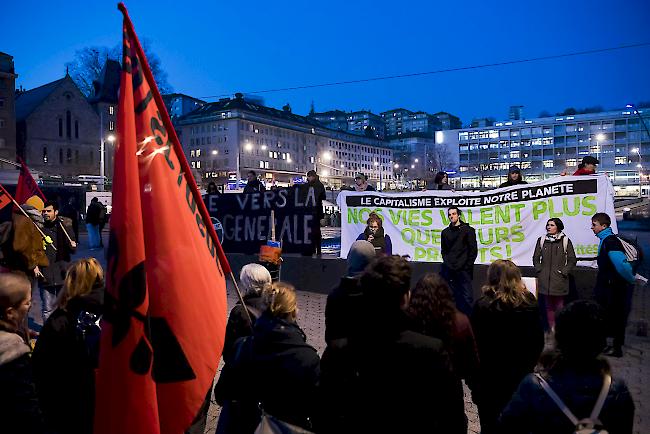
(638, 166)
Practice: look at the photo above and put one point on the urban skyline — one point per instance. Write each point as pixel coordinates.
(278, 47)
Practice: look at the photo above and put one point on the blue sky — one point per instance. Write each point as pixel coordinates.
(218, 47)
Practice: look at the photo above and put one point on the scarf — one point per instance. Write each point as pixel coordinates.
(378, 240)
(553, 238)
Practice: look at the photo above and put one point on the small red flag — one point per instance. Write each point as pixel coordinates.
(166, 306)
(27, 190)
(5, 198)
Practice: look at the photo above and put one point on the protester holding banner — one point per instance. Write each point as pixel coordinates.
(614, 282)
(509, 335)
(587, 166)
(440, 182)
(459, 251)
(361, 183)
(253, 185)
(313, 181)
(19, 410)
(375, 235)
(553, 259)
(59, 247)
(514, 177)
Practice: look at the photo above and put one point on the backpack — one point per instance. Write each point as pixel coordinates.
(565, 243)
(590, 425)
(633, 252)
(88, 334)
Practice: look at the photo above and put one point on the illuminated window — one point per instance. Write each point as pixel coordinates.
(514, 154)
(111, 110)
(620, 160)
(571, 162)
(548, 163)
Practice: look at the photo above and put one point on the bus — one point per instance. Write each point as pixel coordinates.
(91, 179)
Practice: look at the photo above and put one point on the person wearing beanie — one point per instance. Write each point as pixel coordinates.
(514, 177)
(587, 167)
(576, 372)
(374, 234)
(361, 183)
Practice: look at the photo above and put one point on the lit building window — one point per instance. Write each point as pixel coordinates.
(548, 163)
(111, 110)
(620, 160)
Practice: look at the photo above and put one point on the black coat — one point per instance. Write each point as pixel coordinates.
(238, 325)
(458, 247)
(274, 366)
(342, 309)
(509, 341)
(532, 411)
(319, 193)
(399, 381)
(254, 186)
(64, 370)
(509, 182)
(54, 274)
(19, 409)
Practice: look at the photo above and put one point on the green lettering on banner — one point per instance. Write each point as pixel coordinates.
(517, 234)
(576, 206)
(356, 215)
(502, 214)
(589, 208)
(410, 238)
(539, 208)
(551, 209)
(394, 216)
(487, 216)
(444, 218)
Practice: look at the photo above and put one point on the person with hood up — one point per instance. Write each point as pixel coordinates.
(514, 177)
(67, 351)
(19, 409)
(375, 235)
(361, 183)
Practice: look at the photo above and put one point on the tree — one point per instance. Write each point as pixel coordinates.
(89, 62)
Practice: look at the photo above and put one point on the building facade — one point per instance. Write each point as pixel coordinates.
(105, 102)
(401, 121)
(7, 109)
(226, 139)
(449, 121)
(179, 104)
(57, 130)
(546, 147)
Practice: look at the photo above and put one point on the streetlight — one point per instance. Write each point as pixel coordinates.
(376, 165)
(102, 160)
(215, 152)
(638, 166)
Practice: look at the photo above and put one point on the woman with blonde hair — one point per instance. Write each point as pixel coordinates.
(509, 335)
(67, 351)
(275, 367)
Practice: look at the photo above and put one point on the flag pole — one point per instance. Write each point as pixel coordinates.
(26, 215)
(65, 231)
(178, 149)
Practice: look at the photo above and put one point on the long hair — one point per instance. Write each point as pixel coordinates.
(14, 290)
(432, 308)
(283, 302)
(439, 177)
(80, 279)
(504, 283)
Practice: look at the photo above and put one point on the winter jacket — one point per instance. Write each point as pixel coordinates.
(384, 362)
(582, 171)
(254, 186)
(458, 247)
(510, 182)
(276, 367)
(19, 409)
(509, 340)
(238, 325)
(381, 241)
(613, 269)
(54, 274)
(64, 367)
(553, 265)
(319, 193)
(93, 213)
(433, 186)
(23, 250)
(532, 411)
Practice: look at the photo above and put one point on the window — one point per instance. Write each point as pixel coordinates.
(76, 129)
(111, 126)
(68, 124)
(111, 110)
(571, 162)
(60, 155)
(261, 164)
(620, 160)
(68, 156)
(60, 127)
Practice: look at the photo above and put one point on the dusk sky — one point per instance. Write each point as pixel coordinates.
(214, 48)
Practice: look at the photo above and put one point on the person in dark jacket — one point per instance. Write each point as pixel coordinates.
(274, 367)
(509, 336)
(67, 351)
(313, 181)
(93, 220)
(433, 312)
(375, 235)
(553, 259)
(575, 372)
(614, 281)
(514, 177)
(19, 409)
(440, 182)
(387, 361)
(361, 183)
(459, 251)
(59, 236)
(253, 185)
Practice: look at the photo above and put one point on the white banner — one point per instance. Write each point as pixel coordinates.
(508, 221)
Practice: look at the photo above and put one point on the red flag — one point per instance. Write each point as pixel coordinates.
(27, 190)
(5, 197)
(166, 299)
